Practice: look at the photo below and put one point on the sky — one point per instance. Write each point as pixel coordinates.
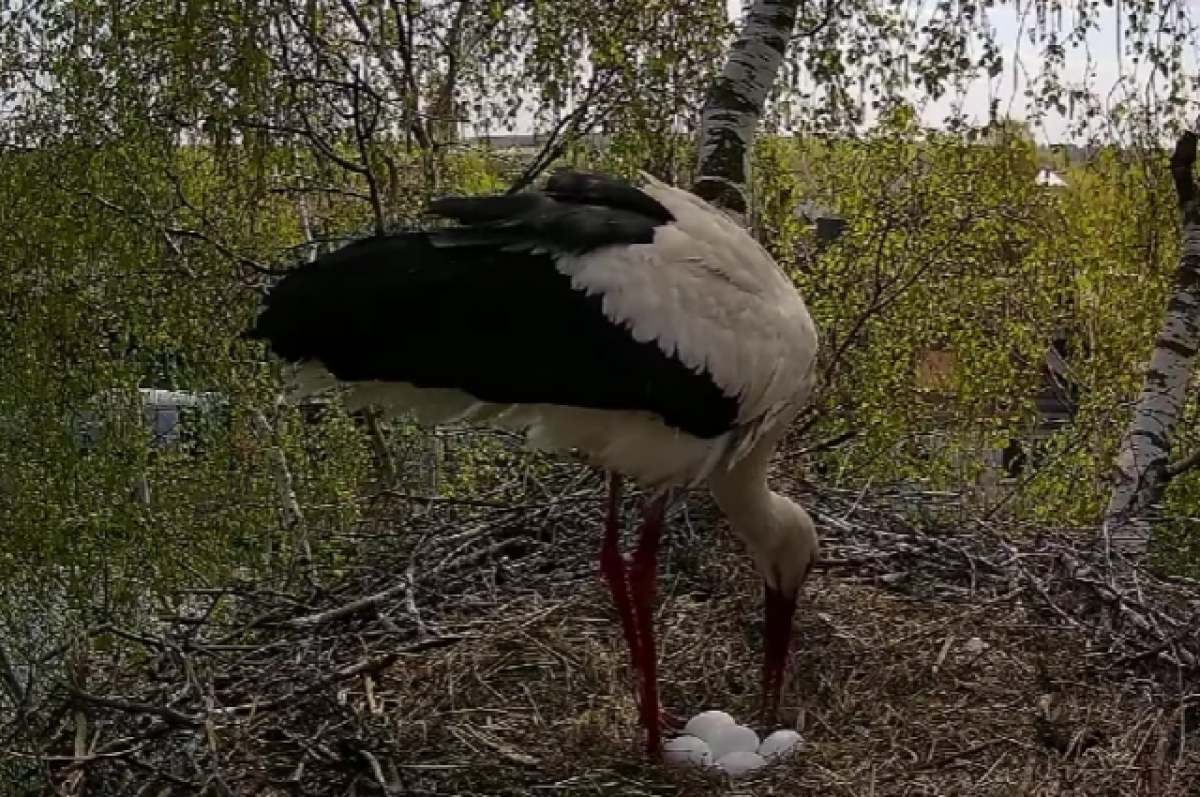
(1100, 66)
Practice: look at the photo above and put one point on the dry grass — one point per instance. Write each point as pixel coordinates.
(503, 673)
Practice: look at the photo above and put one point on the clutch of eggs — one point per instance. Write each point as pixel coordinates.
(713, 738)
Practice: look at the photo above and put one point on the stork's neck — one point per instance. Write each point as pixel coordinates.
(741, 491)
(777, 532)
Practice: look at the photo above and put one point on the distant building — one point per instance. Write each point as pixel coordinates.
(1056, 403)
(527, 143)
(827, 223)
(1048, 178)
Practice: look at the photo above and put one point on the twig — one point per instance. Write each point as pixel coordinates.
(369, 666)
(344, 611)
(1181, 466)
(168, 715)
(292, 513)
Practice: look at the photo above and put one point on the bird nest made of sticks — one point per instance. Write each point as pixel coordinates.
(475, 652)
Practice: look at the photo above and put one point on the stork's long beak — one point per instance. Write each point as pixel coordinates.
(777, 642)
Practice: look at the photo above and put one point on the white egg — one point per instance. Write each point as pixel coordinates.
(686, 751)
(780, 743)
(707, 723)
(740, 764)
(732, 739)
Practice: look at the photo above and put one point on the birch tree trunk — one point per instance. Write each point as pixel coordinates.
(1142, 469)
(735, 102)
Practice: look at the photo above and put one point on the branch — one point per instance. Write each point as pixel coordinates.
(575, 123)
(379, 443)
(167, 715)
(885, 292)
(821, 23)
(167, 230)
(288, 503)
(566, 130)
(831, 443)
(345, 610)
(364, 132)
(365, 667)
(453, 52)
(402, 16)
(1182, 466)
(12, 684)
(325, 149)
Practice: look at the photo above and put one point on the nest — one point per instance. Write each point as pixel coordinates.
(473, 650)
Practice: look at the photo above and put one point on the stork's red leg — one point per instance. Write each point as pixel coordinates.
(612, 566)
(643, 577)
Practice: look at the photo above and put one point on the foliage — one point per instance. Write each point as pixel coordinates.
(159, 162)
(954, 248)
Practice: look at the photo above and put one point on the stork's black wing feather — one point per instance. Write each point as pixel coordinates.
(577, 212)
(503, 326)
(590, 188)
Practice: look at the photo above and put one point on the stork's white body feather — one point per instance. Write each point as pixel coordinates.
(705, 292)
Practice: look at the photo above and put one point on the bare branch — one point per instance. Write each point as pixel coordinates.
(1182, 466)
(364, 129)
(167, 715)
(566, 130)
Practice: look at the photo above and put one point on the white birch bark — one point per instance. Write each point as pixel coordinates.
(1142, 468)
(289, 504)
(735, 101)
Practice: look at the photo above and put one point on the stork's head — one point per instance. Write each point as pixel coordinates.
(781, 539)
(785, 554)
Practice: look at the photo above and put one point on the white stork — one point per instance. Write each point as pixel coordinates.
(642, 327)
